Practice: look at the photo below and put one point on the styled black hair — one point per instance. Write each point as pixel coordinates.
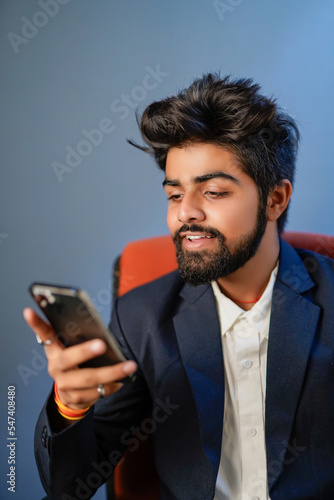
(232, 114)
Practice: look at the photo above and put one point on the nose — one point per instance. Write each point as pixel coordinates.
(190, 210)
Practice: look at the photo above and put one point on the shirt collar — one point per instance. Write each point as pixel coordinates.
(229, 311)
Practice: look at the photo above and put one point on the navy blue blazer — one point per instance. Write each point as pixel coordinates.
(172, 331)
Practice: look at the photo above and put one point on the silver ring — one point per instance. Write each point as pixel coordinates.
(45, 342)
(101, 390)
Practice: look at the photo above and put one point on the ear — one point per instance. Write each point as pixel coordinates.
(278, 199)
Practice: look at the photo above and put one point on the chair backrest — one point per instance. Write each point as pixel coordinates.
(143, 261)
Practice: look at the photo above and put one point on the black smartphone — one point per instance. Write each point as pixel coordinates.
(74, 319)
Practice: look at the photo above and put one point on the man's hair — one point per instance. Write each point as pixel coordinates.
(228, 113)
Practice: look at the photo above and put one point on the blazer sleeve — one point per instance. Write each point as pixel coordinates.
(80, 458)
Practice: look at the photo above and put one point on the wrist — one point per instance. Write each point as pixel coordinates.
(65, 411)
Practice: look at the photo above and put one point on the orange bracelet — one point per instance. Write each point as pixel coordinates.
(65, 411)
(67, 417)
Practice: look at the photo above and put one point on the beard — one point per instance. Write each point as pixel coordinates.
(202, 267)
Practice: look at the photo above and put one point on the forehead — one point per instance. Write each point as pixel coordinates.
(195, 160)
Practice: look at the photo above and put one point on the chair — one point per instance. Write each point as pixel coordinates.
(143, 261)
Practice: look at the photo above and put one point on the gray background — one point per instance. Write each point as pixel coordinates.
(69, 75)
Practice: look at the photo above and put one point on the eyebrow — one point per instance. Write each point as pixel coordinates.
(203, 178)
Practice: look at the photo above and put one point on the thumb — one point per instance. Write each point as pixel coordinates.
(44, 332)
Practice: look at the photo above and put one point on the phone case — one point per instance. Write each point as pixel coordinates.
(74, 318)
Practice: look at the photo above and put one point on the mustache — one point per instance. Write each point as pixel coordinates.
(194, 228)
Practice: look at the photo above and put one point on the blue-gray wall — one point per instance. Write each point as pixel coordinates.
(88, 64)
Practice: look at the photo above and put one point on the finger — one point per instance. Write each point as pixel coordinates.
(43, 330)
(70, 384)
(73, 356)
(87, 378)
(80, 399)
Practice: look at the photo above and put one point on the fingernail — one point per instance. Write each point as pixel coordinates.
(97, 346)
(129, 367)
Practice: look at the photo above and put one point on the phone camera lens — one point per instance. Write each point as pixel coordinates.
(48, 299)
(51, 299)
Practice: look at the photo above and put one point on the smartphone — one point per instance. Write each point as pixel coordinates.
(74, 319)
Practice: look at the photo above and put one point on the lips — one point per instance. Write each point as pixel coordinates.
(195, 237)
(196, 240)
(192, 237)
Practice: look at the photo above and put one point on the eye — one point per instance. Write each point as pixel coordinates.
(216, 194)
(175, 197)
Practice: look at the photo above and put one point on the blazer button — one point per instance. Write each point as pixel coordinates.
(45, 437)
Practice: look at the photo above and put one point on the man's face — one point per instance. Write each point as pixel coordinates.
(213, 212)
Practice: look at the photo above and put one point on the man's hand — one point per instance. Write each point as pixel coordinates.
(77, 387)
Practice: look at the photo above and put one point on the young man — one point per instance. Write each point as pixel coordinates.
(234, 352)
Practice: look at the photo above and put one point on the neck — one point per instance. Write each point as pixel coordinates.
(246, 285)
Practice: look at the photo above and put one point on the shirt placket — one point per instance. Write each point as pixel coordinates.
(247, 350)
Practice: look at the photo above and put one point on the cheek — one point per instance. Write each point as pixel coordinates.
(247, 216)
(236, 218)
(171, 220)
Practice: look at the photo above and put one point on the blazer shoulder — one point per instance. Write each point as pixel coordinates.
(154, 297)
(162, 286)
(310, 273)
(321, 271)
(318, 265)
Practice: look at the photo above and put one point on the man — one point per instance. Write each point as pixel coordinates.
(234, 352)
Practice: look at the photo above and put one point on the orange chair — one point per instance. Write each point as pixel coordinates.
(143, 261)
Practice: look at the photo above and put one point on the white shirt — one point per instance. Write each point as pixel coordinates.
(242, 473)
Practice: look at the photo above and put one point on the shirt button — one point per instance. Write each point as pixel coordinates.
(252, 432)
(247, 363)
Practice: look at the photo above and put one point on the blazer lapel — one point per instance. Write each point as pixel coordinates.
(294, 320)
(293, 325)
(198, 334)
